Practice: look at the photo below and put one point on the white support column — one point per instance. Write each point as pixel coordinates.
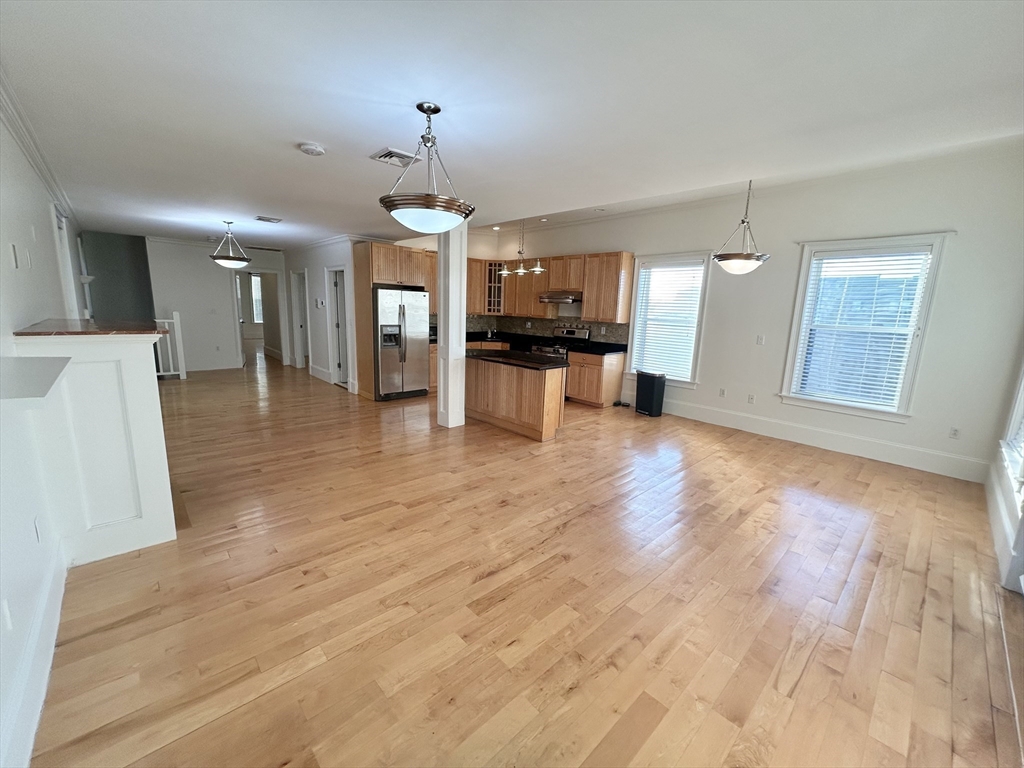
(451, 327)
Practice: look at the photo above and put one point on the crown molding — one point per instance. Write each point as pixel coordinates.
(12, 116)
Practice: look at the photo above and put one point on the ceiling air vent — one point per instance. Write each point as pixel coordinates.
(394, 157)
(268, 219)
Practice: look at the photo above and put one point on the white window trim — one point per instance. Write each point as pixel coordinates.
(933, 242)
(688, 257)
(1016, 414)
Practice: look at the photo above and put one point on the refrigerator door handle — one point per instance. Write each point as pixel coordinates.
(401, 323)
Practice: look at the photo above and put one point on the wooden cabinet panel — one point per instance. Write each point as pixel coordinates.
(410, 267)
(476, 287)
(539, 284)
(595, 379)
(592, 292)
(433, 366)
(574, 387)
(384, 263)
(573, 273)
(607, 287)
(430, 278)
(558, 277)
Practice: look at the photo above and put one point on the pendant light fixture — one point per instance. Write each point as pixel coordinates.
(427, 212)
(231, 260)
(536, 268)
(520, 266)
(747, 260)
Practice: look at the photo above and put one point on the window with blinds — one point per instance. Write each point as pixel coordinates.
(861, 315)
(256, 284)
(667, 323)
(1013, 445)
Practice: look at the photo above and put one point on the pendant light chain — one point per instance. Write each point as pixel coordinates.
(748, 259)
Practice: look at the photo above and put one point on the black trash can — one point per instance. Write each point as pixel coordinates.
(650, 393)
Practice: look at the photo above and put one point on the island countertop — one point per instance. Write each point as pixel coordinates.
(74, 327)
(518, 359)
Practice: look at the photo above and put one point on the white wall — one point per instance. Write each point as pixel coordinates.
(316, 261)
(31, 568)
(973, 339)
(186, 279)
(481, 245)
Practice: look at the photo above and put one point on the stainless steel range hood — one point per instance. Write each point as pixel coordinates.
(560, 297)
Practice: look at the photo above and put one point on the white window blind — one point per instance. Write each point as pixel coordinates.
(1013, 445)
(860, 317)
(257, 298)
(668, 301)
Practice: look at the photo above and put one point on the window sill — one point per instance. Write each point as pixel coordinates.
(670, 382)
(851, 410)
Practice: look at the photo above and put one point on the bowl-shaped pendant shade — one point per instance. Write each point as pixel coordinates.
(231, 262)
(429, 214)
(740, 263)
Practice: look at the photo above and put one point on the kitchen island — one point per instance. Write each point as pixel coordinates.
(517, 391)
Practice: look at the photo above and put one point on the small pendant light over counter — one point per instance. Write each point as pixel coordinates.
(747, 260)
(230, 259)
(427, 212)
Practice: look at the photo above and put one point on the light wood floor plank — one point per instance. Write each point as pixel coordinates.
(353, 585)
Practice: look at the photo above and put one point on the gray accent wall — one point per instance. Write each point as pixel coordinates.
(122, 289)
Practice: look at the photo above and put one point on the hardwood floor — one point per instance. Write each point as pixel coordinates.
(359, 587)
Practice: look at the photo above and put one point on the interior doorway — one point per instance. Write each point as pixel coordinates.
(300, 320)
(340, 336)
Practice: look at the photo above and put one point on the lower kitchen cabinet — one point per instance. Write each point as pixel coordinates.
(595, 379)
(433, 367)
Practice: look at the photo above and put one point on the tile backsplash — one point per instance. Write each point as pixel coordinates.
(615, 333)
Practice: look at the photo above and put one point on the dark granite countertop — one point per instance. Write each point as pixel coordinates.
(518, 359)
(521, 342)
(72, 327)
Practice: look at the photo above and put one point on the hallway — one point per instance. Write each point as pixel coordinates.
(359, 587)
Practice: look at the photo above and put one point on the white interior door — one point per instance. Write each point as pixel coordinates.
(300, 319)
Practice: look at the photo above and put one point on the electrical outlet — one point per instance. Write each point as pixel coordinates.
(529, 324)
(760, 340)
(954, 433)
(750, 399)
(721, 392)
(218, 347)
(603, 330)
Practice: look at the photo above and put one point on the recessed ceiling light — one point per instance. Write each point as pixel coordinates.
(312, 148)
(543, 219)
(268, 219)
(598, 210)
(495, 228)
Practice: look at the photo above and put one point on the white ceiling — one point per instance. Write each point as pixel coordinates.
(162, 118)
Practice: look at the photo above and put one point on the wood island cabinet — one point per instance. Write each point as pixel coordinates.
(433, 368)
(594, 379)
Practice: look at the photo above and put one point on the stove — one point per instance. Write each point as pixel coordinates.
(550, 350)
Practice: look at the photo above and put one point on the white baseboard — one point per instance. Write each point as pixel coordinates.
(28, 689)
(320, 373)
(274, 353)
(1007, 527)
(951, 465)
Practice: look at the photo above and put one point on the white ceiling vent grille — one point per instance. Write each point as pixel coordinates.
(394, 157)
(268, 219)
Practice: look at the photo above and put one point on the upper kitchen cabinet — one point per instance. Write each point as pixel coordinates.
(476, 287)
(566, 273)
(541, 283)
(395, 265)
(430, 278)
(410, 267)
(607, 287)
(494, 300)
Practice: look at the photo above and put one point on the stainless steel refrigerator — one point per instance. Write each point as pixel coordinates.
(402, 333)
